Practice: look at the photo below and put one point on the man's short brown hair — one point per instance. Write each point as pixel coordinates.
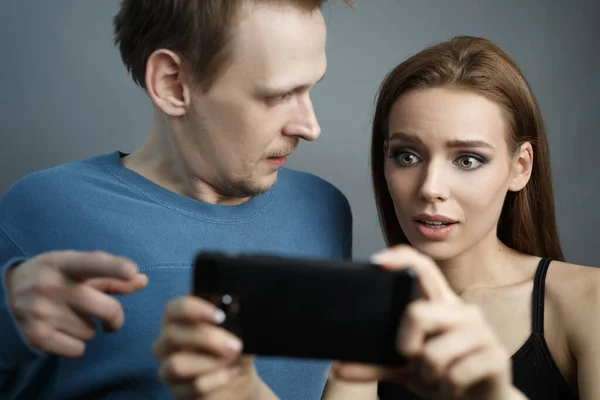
(199, 30)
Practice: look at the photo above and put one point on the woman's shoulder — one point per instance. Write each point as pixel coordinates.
(572, 285)
(572, 281)
(574, 292)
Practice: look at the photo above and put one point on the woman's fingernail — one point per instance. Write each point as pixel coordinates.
(219, 317)
(234, 344)
(380, 257)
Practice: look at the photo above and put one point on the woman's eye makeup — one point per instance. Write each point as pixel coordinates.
(470, 161)
(406, 157)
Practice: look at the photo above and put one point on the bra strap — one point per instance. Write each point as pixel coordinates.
(539, 292)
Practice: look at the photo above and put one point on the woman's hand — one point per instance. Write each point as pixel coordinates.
(452, 351)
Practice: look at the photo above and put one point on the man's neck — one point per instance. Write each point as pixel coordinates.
(159, 160)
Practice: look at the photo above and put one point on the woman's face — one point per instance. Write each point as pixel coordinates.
(448, 168)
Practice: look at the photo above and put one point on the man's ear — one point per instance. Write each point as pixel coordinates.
(522, 166)
(165, 82)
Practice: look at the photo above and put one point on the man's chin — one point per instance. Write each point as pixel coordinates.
(267, 183)
(257, 187)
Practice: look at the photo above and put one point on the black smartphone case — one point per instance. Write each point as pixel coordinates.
(307, 308)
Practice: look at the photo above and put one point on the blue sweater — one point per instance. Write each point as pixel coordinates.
(98, 204)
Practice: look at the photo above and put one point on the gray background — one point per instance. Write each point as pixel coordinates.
(65, 94)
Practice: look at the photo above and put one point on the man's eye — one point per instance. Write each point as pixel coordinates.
(280, 97)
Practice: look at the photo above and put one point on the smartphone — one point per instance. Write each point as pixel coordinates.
(307, 308)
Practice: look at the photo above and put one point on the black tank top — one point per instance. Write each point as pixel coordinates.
(534, 371)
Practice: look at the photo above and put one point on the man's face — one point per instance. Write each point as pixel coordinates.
(236, 136)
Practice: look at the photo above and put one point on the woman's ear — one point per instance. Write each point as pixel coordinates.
(522, 166)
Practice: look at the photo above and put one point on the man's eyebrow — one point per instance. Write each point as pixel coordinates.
(288, 87)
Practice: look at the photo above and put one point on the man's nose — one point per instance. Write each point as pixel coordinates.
(305, 124)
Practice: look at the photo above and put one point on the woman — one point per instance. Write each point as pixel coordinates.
(461, 173)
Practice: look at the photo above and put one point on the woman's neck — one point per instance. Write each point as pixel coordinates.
(488, 264)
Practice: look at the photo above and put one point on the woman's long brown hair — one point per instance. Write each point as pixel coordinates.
(527, 221)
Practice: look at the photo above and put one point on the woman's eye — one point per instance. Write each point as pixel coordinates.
(405, 159)
(469, 162)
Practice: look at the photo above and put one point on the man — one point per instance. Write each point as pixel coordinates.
(230, 84)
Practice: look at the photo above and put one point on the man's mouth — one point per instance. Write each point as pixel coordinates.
(278, 161)
(280, 155)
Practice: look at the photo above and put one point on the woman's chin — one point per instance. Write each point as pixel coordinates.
(438, 251)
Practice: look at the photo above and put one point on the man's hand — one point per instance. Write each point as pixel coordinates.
(200, 360)
(55, 295)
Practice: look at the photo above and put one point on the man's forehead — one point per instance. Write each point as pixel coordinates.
(267, 20)
(289, 80)
(286, 49)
